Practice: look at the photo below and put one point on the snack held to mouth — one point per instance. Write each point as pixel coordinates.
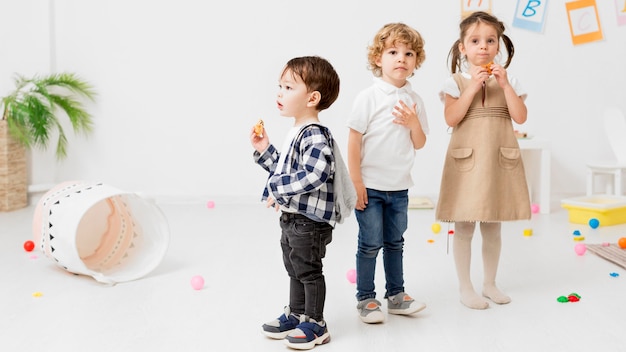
(488, 67)
(258, 128)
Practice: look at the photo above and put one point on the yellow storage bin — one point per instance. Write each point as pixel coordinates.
(609, 210)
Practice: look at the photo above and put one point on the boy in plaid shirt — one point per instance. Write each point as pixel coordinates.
(301, 186)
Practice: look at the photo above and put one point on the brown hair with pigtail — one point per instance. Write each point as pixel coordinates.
(455, 57)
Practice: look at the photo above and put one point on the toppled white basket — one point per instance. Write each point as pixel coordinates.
(97, 230)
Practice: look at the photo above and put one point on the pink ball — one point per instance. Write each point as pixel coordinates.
(210, 204)
(351, 276)
(580, 248)
(534, 208)
(197, 282)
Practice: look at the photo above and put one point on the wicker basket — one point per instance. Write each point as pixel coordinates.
(13, 176)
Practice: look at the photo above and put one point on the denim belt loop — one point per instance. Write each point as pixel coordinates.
(284, 217)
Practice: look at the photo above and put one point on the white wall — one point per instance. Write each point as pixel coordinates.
(25, 49)
(181, 82)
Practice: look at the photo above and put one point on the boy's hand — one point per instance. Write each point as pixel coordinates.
(361, 196)
(259, 143)
(271, 202)
(404, 115)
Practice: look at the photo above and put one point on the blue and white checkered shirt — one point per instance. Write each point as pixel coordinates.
(304, 184)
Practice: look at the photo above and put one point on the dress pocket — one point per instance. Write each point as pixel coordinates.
(509, 157)
(463, 158)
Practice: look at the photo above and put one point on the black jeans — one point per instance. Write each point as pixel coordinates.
(303, 242)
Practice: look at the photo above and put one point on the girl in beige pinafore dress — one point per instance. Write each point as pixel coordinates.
(483, 175)
(483, 180)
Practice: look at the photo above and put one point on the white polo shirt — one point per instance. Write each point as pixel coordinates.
(387, 154)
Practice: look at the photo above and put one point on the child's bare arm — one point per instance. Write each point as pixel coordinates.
(355, 143)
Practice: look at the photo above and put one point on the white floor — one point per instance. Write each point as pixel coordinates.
(235, 248)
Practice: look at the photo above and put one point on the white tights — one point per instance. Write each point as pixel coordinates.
(491, 245)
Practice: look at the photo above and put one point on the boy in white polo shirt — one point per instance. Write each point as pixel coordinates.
(387, 124)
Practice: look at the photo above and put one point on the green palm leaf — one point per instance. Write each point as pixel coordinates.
(31, 108)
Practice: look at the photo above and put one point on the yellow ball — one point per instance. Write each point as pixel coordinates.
(436, 227)
(528, 232)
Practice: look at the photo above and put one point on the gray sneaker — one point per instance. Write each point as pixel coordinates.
(369, 311)
(403, 304)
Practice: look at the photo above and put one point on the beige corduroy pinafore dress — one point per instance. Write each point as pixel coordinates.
(483, 175)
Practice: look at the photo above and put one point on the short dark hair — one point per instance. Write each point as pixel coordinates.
(318, 75)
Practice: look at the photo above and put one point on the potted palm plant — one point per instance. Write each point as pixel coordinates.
(30, 118)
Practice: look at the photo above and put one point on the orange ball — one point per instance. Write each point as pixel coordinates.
(622, 242)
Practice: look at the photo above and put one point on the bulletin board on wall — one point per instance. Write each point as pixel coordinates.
(584, 21)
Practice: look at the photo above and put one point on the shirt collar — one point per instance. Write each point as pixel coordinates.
(389, 88)
(468, 76)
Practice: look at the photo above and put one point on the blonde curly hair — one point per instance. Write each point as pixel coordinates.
(391, 34)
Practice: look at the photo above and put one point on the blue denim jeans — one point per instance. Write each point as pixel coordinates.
(303, 242)
(381, 225)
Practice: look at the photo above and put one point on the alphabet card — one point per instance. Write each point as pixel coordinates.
(531, 14)
(470, 6)
(584, 23)
(620, 7)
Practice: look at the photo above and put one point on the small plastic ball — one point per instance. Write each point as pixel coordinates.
(210, 204)
(622, 242)
(534, 208)
(436, 227)
(594, 223)
(197, 282)
(351, 276)
(29, 246)
(576, 233)
(580, 248)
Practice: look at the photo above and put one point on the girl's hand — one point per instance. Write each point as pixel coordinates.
(404, 115)
(259, 143)
(479, 76)
(501, 76)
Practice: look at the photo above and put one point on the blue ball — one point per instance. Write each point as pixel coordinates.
(594, 223)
